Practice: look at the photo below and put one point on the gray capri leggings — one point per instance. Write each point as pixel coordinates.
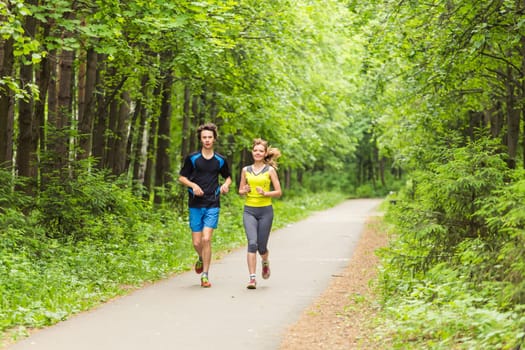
(257, 225)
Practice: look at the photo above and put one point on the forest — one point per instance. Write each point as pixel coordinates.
(418, 102)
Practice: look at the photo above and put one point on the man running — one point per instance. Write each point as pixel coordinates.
(200, 173)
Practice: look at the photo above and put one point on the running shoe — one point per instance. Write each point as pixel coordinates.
(266, 269)
(198, 266)
(205, 283)
(252, 284)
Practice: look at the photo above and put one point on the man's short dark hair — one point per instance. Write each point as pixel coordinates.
(208, 126)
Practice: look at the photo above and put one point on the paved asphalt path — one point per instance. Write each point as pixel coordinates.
(177, 314)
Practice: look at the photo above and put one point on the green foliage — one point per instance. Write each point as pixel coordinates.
(316, 181)
(345, 182)
(505, 214)
(9, 198)
(453, 277)
(440, 211)
(67, 207)
(444, 311)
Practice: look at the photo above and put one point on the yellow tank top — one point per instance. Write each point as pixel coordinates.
(261, 179)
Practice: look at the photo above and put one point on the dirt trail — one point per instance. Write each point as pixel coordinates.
(342, 317)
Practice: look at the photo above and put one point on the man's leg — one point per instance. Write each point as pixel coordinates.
(205, 247)
(197, 245)
(210, 220)
(197, 242)
(196, 225)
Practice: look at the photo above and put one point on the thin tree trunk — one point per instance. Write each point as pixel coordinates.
(150, 160)
(513, 120)
(522, 94)
(141, 143)
(100, 118)
(496, 120)
(475, 123)
(109, 154)
(65, 110)
(81, 93)
(52, 97)
(141, 138)
(288, 178)
(6, 104)
(26, 143)
(133, 137)
(121, 133)
(163, 166)
(299, 176)
(46, 144)
(382, 163)
(81, 101)
(43, 86)
(186, 122)
(152, 147)
(87, 111)
(194, 141)
(244, 160)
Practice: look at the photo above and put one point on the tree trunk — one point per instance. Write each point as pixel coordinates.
(6, 104)
(52, 97)
(522, 95)
(121, 133)
(244, 160)
(288, 178)
(46, 144)
(139, 148)
(186, 122)
(194, 141)
(44, 80)
(65, 110)
(299, 176)
(81, 94)
(495, 120)
(26, 143)
(163, 167)
(136, 129)
(106, 123)
(523, 137)
(475, 123)
(152, 147)
(229, 153)
(86, 105)
(109, 155)
(513, 119)
(100, 120)
(382, 163)
(359, 170)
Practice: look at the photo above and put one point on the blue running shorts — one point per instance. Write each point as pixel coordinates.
(203, 217)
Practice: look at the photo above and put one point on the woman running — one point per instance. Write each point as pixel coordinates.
(260, 183)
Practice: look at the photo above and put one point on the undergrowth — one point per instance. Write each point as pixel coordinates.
(453, 275)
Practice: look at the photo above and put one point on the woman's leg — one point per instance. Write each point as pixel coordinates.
(263, 231)
(250, 227)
